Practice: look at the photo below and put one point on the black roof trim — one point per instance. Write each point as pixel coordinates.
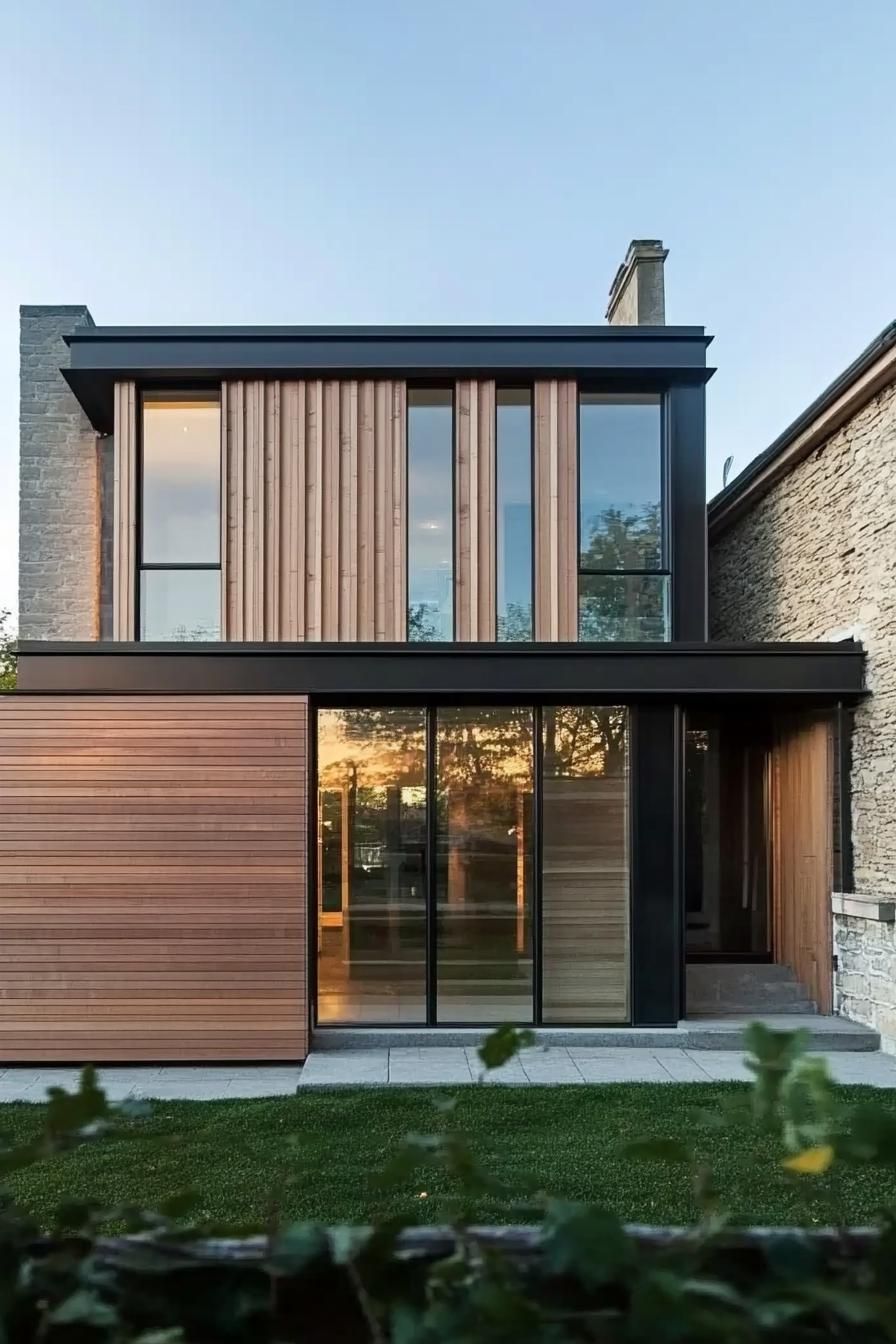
(108, 648)
(722, 502)
(519, 332)
(820, 672)
(179, 356)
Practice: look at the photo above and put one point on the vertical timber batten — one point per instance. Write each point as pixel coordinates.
(124, 563)
(475, 534)
(556, 510)
(314, 493)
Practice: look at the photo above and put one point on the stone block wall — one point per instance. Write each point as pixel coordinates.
(59, 486)
(815, 559)
(865, 948)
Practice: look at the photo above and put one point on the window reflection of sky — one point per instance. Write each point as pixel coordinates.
(619, 462)
(430, 514)
(514, 513)
(181, 481)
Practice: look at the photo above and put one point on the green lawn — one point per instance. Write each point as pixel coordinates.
(316, 1153)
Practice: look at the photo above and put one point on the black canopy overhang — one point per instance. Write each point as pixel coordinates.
(172, 356)
(796, 673)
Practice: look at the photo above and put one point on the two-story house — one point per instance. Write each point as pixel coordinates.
(364, 681)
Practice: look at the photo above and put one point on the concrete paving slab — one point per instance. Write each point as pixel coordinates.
(552, 1071)
(345, 1067)
(681, 1068)
(278, 1086)
(403, 1066)
(722, 1066)
(632, 1068)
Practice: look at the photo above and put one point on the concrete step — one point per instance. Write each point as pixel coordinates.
(724, 987)
(710, 1033)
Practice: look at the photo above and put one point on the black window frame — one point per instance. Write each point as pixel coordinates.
(664, 569)
(142, 567)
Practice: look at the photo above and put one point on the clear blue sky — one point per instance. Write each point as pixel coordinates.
(479, 161)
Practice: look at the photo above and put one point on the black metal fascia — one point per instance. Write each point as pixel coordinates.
(625, 355)
(621, 673)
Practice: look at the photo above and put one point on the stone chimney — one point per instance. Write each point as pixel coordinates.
(637, 294)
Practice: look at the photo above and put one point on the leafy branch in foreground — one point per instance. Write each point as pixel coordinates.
(7, 652)
(575, 1273)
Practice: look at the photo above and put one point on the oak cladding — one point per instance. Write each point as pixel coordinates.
(314, 510)
(152, 877)
(475, 535)
(556, 510)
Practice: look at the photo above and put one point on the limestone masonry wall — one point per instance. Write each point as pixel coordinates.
(59, 505)
(815, 558)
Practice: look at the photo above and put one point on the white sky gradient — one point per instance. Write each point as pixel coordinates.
(221, 161)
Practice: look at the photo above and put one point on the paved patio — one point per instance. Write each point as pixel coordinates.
(428, 1067)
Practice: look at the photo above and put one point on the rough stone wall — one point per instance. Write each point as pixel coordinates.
(815, 559)
(865, 982)
(59, 487)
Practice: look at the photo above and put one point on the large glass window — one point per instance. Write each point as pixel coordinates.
(427, 836)
(371, 865)
(430, 489)
(514, 512)
(484, 864)
(180, 516)
(585, 865)
(623, 574)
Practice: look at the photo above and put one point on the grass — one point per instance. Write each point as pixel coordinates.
(315, 1155)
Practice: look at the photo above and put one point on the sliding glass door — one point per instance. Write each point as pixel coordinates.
(371, 865)
(460, 849)
(484, 864)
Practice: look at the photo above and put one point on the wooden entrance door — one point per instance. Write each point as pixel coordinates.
(802, 853)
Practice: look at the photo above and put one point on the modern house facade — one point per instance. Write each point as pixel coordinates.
(365, 680)
(802, 548)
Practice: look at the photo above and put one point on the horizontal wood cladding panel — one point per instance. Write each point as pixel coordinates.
(314, 519)
(153, 878)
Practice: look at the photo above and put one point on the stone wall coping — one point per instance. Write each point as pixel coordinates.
(881, 909)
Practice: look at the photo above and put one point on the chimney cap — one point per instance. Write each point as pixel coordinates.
(639, 249)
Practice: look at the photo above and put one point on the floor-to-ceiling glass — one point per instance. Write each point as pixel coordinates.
(585, 864)
(371, 865)
(484, 864)
(429, 823)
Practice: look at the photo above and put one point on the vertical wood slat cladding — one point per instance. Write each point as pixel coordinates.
(153, 877)
(475, 537)
(556, 510)
(124, 562)
(802, 791)
(585, 952)
(314, 503)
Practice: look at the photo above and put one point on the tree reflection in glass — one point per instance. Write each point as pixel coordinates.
(371, 865)
(484, 864)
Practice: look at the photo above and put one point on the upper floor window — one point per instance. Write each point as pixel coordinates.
(180, 516)
(623, 570)
(514, 512)
(430, 514)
